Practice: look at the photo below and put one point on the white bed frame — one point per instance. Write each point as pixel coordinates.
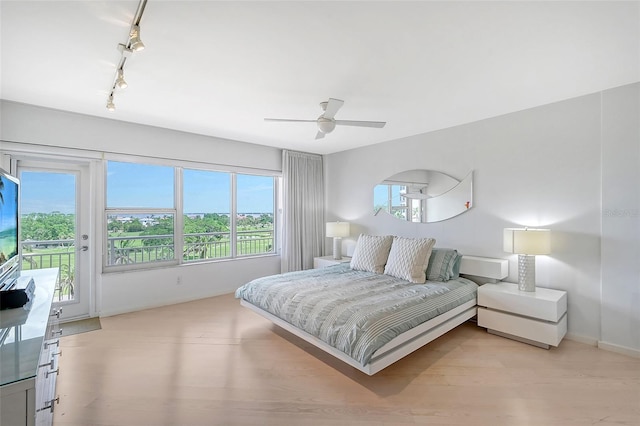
(480, 269)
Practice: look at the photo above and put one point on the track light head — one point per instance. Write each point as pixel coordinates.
(126, 51)
(120, 81)
(110, 105)
(134, 39)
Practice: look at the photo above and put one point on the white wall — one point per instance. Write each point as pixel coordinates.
(540, 167)
(621, 218)
(35, 131)
(33, 125)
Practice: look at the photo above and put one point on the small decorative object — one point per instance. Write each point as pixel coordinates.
(526, 243)
(337, 230)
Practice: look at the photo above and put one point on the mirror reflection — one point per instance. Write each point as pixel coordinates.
(423, 196)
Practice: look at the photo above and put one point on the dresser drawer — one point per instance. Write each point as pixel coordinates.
(46, 399)
(48, 370)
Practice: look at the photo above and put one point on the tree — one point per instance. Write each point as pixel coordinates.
(164, 227)
(48, 226)
(1, 189)
(134, 226)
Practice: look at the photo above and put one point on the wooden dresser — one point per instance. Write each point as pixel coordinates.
(29, 351)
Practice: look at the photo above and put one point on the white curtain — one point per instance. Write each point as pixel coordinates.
(303, 216)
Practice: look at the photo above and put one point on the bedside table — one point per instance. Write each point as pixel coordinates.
(321, 262)
(538, 318)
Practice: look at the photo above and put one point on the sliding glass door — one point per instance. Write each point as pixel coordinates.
(54, 211)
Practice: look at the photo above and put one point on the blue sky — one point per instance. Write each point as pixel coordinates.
(381, 195)
(142, 186)
(47, 192)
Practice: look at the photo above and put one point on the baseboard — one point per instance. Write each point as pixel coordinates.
(635, 353)
(581, 339)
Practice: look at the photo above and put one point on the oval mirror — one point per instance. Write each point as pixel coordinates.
(423, 196)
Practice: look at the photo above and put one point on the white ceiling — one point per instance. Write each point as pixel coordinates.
(218, 68)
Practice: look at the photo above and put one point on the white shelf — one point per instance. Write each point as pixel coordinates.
(324, 261)
(496, 269)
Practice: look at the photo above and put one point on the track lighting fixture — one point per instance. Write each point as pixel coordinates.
(120, 81)
(124, 50)
(134, 44)
(110, 105)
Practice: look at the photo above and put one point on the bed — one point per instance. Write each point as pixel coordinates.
(368, 314)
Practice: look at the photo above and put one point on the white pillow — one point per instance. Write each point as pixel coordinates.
(409, 258)
(371, 253)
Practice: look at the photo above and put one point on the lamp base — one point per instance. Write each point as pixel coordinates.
(526, 272)
(337, 248)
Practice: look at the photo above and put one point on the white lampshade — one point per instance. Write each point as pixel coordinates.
(527, 241)
(337, 229)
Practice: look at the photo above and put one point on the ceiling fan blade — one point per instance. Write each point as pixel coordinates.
(319, 135)
(290, 120)
(332, 107)
(378, 124)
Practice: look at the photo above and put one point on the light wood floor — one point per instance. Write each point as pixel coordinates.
(212, 362)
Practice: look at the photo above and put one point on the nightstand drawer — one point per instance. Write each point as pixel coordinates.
(545, 304)
(549, 333)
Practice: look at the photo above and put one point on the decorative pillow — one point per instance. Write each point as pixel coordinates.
(455, 270)
(371, 253)
(408, 258)
(442, 264)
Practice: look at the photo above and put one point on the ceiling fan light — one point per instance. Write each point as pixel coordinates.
(326, 125)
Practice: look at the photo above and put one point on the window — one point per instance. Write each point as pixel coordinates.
(254, 214)
(223, 215)
(206, 214)
(140, 214)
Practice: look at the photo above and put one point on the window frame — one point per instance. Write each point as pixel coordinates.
(178, 214)
(234, 196)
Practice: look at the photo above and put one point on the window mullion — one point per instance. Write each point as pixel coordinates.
(233, 220)
(178, 223)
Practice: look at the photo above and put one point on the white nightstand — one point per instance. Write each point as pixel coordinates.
(538, 318)
(321, 262)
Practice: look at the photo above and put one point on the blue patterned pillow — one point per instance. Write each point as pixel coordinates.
(444, 264)
(455, 272)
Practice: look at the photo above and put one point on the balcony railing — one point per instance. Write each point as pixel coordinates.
(140, 249)
(197, 246)
(53, 254)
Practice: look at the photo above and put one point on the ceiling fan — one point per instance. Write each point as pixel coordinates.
(326, 122)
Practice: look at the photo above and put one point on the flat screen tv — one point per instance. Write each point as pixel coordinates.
(9, 237)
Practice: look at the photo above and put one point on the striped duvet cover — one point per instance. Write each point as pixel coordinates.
(356, 312)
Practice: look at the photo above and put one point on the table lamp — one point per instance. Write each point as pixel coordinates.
(337, 230)
(526, 243)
